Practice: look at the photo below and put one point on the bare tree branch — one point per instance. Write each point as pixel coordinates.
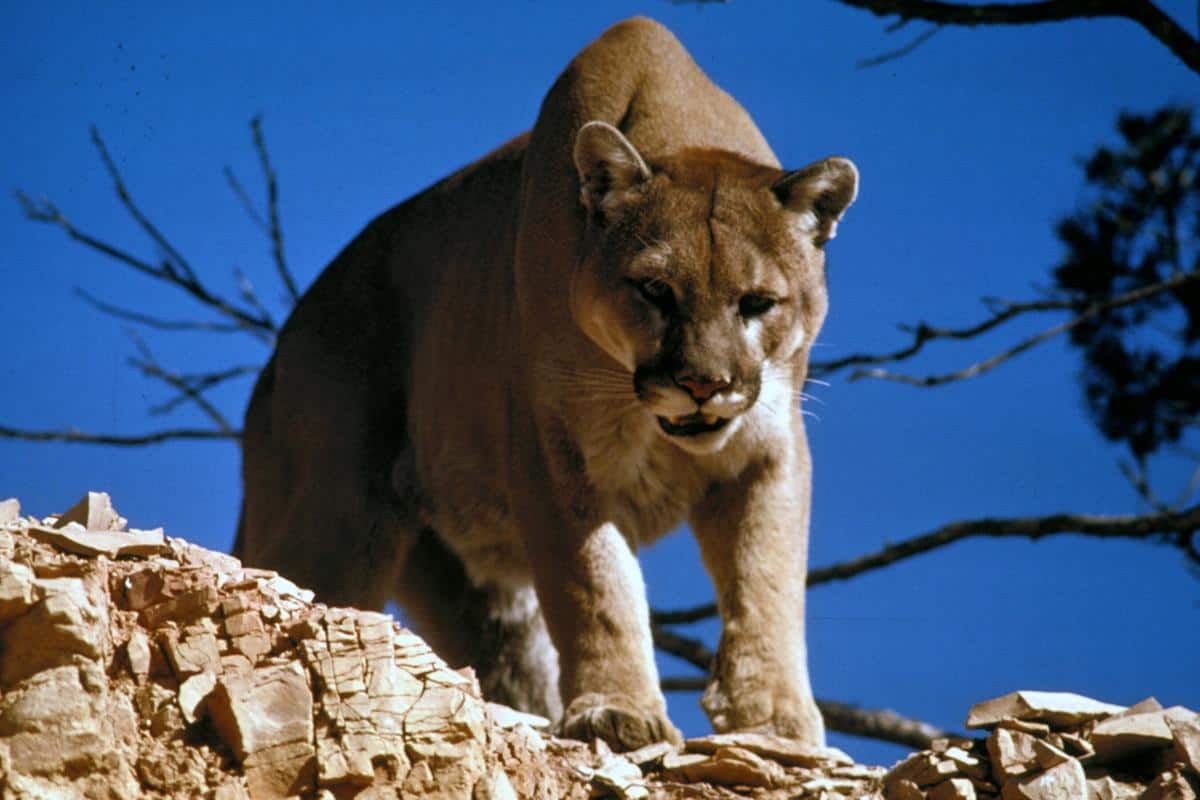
(150, 367)
(899, 52)
(1144, 13)
(175, 261)
(202, 382)
(174, 269)
(240, 192)
(1175, 527)
(275, 232)
(138, 440)
(154, 322)
(881, 724)
(923, 334)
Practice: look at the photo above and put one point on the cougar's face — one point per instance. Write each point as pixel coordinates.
(708, 292)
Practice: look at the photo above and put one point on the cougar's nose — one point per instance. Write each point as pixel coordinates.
(701, 388)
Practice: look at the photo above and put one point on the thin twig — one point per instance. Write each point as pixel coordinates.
(1144, 13)
(275, 231)
(240, 192)
(1141, 484)
(174, 269)
(1176, 524)
(80, 437)
(155, 322)
(979, 368)
(150, 367)
(899, 52)
(175, 257)
(203, 382)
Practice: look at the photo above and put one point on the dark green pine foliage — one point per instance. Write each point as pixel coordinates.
(1139, 226)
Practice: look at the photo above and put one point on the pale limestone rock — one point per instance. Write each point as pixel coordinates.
(1124, 735)
(953, 789)
(137, 653)
(1057, 709)
(191, 653)
(1025, 726)
(650, 754)
(16, 590)
(924, 769)
(94, 512)
(74, 538)
(904, 789)
(1013, 753)
(266, 718)
(1171, 785)
(10, 510)
(621, 777)
(1108, 789)
(1048, 755)
(1185, 731)
(786, 751)
(494, 786)
(506, 717)
(192, 694)
(63, 626)
(1063, 782)
(726, 766)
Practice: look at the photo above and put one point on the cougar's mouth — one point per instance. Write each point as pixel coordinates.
(692, 424)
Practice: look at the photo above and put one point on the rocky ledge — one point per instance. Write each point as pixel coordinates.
(137, 665)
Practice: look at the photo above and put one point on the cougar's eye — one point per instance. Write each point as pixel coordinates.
(755, 305)
(657, 293)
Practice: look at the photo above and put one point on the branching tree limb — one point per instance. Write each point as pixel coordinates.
(922, 334)
(1144, 13)
(135, 440)
(1177, 528)
(249, 316)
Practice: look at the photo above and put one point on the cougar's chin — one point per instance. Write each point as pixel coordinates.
(698, 433)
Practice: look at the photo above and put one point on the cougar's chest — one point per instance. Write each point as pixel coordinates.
(645, 485)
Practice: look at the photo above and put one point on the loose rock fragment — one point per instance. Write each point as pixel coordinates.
(1185, 730)
(95, 512)
(785, 751)
(1107, 788)
(1057, 709)
(10, 510)
(1127, 734)
(192, 694)
(1063, 782)
(953, 789)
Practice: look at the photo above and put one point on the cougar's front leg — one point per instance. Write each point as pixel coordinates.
(753, 536)
(593, 599)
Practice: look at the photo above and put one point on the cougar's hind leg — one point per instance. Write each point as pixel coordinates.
(318, 505)
(498, 631)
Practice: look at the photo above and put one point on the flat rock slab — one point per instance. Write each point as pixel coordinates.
(74, 538)
(786, 751)
(1056, 709)
(1122, 736)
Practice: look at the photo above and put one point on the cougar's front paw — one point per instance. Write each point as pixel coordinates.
(761, 709)
(618, 721)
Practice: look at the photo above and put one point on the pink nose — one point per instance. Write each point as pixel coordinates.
(701, 388)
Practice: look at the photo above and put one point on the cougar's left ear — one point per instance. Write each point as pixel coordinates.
(819, 194)
(609, 168)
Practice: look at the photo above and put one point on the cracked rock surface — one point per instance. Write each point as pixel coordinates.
(137, 665)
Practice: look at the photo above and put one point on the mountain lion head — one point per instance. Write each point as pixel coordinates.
(702, 274)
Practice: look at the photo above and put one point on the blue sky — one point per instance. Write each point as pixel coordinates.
(968, 150)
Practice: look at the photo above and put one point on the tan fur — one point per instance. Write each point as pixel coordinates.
(463, 409)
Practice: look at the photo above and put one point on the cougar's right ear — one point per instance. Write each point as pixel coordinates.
(609, 166)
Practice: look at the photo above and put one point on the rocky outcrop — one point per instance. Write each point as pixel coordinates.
(137, 665)
(1059, 746)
